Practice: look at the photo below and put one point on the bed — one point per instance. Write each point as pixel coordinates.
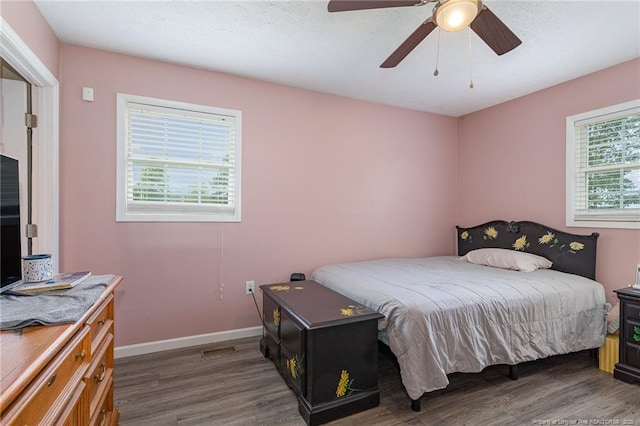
(445, 314)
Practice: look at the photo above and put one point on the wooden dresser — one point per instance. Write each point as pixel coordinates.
(628, 366)
(325, 346)
(61, 374)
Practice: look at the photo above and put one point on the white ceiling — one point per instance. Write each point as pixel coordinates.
(298, 43)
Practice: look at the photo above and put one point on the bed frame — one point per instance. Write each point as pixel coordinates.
(571, 253)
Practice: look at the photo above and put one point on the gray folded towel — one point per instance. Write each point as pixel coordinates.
(52, 307)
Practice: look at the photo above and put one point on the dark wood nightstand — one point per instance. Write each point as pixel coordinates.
(324, 346)
(628, 367)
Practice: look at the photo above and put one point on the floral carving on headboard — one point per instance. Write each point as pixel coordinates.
(521, 243)
(576, 246)
(490, 233)
(550, 238)
(546, 238)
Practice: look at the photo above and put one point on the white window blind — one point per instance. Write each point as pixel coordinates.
(605, 166)
(178, 162)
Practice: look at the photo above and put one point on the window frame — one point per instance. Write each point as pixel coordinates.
(630, 220)
(179, 215)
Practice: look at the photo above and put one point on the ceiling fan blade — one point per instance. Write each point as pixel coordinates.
(345, 5)
(409, 44)
(494, 32)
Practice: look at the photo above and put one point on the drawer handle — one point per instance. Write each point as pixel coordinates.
(82, 355)
(51, 380)
(103, 372)
(102, 321)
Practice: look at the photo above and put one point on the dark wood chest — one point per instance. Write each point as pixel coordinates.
(324, 346)
(628, 367)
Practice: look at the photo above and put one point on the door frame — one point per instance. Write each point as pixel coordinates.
(46, 105)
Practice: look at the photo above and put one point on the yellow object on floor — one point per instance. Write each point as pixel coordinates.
(608, 354)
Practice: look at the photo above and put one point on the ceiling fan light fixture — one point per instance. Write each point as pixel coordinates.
(454, 15)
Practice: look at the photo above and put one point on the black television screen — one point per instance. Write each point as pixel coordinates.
(10, 250)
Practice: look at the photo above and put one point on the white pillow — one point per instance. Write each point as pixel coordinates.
(507, 259)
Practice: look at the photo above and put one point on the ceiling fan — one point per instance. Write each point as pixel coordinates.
(449, 15)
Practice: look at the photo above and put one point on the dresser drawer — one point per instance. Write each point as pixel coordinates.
(632, 311)
(291, 334)
(271, 315)
(73, 413)
(292, 352)
(99, 372)
(104, 414)
(632, 355)
(42, 402)
(100, 323)
(273, 347)
(631, 330)
(631, 347)
(293, 368)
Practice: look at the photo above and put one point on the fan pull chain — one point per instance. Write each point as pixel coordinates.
(436, 72)
(470, 61)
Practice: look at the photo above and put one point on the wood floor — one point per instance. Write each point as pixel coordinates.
(232, 384)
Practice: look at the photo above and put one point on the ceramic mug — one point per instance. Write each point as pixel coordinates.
(37, 267)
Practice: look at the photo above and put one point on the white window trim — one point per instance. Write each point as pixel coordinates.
(571, 169)
(121, 185)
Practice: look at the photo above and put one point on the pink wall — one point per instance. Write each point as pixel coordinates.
(325, 179)
(27, 21)
(511, 162)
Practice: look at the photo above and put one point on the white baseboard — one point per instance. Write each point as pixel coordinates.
(185, 342)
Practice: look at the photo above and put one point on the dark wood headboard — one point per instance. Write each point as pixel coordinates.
(572, 253)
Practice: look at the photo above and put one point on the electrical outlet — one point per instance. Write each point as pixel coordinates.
(250, 287)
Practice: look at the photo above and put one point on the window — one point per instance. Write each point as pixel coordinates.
(177, 162)
(603, 167)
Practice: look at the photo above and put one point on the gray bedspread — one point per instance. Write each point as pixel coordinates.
(445, 315)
